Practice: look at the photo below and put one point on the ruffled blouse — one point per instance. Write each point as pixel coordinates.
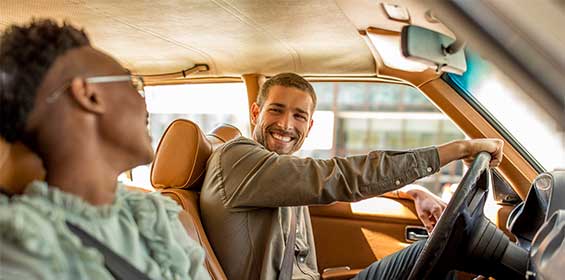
(141, 227)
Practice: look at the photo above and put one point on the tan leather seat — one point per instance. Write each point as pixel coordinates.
(178, 171)
(18, 167)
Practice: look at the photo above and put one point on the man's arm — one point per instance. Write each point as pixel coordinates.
(468, 149)
(250, 176)
(428, 205)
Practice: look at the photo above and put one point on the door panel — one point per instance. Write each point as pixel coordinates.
(357, 234)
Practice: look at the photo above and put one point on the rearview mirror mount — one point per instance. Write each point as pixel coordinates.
(433, 48)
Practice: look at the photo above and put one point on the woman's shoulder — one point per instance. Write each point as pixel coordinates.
(148, 198)
(27, 228)
(157, 217)
(148, 208)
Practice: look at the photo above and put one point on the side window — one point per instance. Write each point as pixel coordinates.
(357, 117)
(208, 105)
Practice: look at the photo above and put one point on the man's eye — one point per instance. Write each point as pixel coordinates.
(300, 117)
(274, 110)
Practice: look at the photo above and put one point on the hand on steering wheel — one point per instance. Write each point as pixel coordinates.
(468, 201)
(464, 239)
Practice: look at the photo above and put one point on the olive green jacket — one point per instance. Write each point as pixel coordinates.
(248, 190)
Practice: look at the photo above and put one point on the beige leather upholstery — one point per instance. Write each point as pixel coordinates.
(180, 160)
(340, 274)
(178, 169)
(222, 134)
(190, 218)
(18, 167)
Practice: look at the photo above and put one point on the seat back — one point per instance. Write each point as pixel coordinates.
(178, 172)
(18, 167)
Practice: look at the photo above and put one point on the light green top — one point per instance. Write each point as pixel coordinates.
(144, 228)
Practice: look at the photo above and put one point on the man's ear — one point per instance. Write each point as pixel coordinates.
(255, 110)
(85, 95)
(310, 127)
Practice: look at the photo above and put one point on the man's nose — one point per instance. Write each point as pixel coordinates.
(286, 121)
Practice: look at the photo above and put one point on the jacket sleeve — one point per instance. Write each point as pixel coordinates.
(252, 176)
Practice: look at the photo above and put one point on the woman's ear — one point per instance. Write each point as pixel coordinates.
(86, 96)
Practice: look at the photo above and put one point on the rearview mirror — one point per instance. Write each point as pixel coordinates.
(434, 49)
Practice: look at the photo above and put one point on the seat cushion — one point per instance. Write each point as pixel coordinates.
(190, 218)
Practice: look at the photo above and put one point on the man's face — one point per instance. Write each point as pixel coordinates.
(284, 120)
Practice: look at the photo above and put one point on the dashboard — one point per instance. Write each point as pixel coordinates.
(539, 226)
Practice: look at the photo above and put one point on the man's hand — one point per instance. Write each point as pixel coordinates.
(429, 207)
(468, 150)
(492, 146)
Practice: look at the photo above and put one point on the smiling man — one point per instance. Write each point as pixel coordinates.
(254, 188)
(269, 132)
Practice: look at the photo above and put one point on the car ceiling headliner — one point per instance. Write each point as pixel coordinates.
(313, 37)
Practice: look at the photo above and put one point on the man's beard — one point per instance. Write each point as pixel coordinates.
(261, 135)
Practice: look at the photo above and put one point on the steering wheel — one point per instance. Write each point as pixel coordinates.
(447, 247)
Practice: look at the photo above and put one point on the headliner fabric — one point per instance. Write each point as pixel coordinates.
(232, 37)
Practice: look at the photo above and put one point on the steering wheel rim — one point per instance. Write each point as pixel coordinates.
(463, 210)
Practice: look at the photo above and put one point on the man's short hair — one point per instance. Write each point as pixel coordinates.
(26, 53)
(286, 80)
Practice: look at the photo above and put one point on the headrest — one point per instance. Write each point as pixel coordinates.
(222, 134)
(18, 167)
(182, 154)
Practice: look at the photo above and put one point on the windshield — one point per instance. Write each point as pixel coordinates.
(522, 117)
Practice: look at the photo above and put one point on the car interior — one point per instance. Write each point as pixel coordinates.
(512, 216)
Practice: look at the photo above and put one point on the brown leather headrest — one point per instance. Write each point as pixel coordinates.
(180, 160)
(18, 167)
(222, 134)
(182, 154)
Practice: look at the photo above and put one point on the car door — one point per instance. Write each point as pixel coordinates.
(358, 117)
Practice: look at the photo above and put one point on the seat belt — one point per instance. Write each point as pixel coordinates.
(120, 268)
(288, 259)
